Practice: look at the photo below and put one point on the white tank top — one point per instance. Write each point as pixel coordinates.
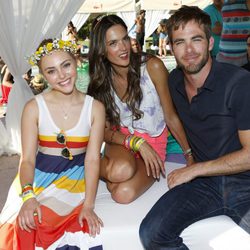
(153, 121)
(78, 135)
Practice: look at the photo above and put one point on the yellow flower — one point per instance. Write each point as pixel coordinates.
(40, 50)
(61, 44)
(68, 43)
(49, 46)
(31, 62)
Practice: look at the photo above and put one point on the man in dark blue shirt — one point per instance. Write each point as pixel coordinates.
(212, 100)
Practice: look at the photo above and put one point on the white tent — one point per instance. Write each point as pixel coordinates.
(101, 6)
(172, 4)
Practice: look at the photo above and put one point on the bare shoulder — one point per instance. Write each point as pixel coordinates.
(30, 111)
(31, 106)
(155, 63)
(98, 106)
(157, 69)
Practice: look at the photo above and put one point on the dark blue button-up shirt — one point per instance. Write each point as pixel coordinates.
(214, 116)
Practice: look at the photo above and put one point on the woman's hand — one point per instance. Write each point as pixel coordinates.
(94, 222)
(29, 209)
(152, 160)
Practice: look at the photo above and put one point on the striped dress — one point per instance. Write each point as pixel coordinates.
(236, 28)
(60, 189)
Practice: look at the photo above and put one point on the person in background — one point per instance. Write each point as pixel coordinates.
(140, 27)
(212, 100)
(214, 11)
(163, 38)
(1, 63)
(38, 84)
(7, 81)
(28, 76)
(134, 91)
(135, 45)
(51, 202)
(236, 28)
(247, 65)
(72, 32)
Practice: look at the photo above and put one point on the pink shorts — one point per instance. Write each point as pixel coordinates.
(158, 143)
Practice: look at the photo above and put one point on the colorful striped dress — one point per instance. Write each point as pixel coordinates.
(60, 189)
(236, 28)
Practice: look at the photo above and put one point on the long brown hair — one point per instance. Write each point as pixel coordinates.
(100, 71)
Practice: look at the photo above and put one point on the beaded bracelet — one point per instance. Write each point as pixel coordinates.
(126, 141)
(133, 142)
(138, 144)
(28, 196)
(27, 192)
(188, 153)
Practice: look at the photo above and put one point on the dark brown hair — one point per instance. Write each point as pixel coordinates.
(186, 14)
(100, 72)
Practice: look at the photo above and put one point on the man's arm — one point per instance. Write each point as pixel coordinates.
(233, 163)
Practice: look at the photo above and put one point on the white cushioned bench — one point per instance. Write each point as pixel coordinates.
(121, 223)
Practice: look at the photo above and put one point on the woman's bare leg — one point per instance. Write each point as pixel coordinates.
(125, 175)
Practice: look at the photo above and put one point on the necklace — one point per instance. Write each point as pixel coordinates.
(65, 116)
(66, 111)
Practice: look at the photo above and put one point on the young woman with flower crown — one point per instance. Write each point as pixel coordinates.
(51, 202)
(134, 90)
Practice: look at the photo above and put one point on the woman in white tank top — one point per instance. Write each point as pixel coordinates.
(133, 88)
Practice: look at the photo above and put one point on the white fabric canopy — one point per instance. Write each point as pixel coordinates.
(153, 18)
(23, 25)
(172, 4)
(79, 19)
(128, 17)
(100, 6)
(161, 4)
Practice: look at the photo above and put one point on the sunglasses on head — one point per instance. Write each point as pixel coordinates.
(60, 138)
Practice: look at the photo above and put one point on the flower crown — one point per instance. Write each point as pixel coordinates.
(56, 44)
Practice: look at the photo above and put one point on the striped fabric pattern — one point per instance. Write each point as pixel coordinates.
(59, 185)
(236, 28)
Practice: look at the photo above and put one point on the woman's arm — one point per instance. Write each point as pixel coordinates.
(29, 139)
(92, 168)
(159, 76)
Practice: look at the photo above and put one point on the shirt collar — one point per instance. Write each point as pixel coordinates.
(209, 84)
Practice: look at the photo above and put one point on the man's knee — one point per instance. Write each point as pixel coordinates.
(145, 234)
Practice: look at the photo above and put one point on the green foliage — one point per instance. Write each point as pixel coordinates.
(84, 31)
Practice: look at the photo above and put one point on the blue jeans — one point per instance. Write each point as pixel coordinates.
(190, 202)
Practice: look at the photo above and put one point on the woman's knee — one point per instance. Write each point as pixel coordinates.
(121, 171)
(123, 194)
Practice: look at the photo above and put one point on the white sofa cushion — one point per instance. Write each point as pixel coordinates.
(121, 223)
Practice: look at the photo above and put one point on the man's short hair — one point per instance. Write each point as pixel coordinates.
(186, 14)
